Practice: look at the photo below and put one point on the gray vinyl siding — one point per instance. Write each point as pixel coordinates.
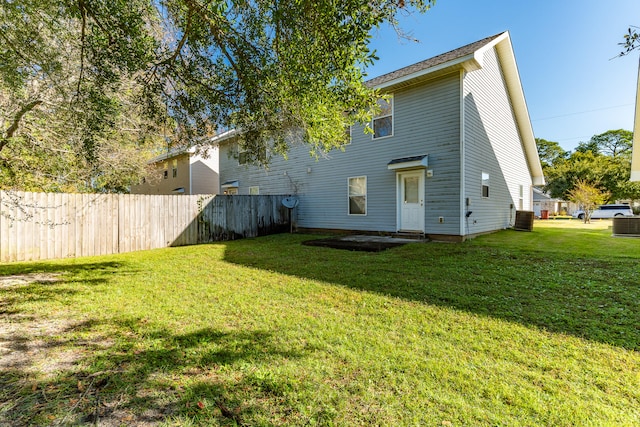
(426, 121)
(492, 144)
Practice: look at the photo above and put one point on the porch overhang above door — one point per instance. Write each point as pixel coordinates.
(230, 184)
(413, 162)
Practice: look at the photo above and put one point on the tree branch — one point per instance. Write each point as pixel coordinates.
(16, 122)
(83, 13)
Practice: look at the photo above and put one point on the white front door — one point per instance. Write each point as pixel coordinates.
(411, 201)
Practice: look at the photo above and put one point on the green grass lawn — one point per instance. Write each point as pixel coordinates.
(511, 329)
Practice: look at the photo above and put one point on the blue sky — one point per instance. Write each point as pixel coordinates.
(564, 50)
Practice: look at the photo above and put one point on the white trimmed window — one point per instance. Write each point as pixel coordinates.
(247, 158)
(358, 195)
(254, 191)
(349, 132)
(243, 156)
(383, 120)
(485, 184)
(521, 198)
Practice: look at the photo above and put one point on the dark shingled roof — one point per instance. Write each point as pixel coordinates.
(431, 62)
(406, 159)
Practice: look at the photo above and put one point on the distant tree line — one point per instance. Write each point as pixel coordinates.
(603, 162)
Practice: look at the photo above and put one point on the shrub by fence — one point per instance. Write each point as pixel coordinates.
(37, 226)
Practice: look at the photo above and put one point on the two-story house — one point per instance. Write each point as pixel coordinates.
(452, 154)
(182, 171)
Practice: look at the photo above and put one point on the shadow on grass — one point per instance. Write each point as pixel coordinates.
(58, 371)
(125, 383)
(61, 268)
(593, 298)
(33, 282)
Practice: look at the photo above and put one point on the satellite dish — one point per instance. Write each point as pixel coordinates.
(290, 202)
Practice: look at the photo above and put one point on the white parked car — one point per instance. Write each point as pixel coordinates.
(606, 211)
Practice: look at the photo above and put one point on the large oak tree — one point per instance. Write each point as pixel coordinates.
(86, 85)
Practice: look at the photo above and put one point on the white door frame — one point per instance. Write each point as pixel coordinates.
(400, 202)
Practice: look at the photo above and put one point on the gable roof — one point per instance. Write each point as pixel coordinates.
(171, 153)
(442, 61)
(540, 195)
(470, 58)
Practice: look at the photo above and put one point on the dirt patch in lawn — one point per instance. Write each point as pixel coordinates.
(27, 279)
(41, 362)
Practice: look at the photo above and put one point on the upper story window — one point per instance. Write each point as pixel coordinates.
(174, 168)
(383, 120)
(246, 157)
(243, 156)
(348, 130)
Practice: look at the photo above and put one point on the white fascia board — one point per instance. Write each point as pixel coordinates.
(514, 85)
(218, 139)
(171, 154)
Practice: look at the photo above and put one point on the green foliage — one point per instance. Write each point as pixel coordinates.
(82, 74)
(511, 328)
(613, 143)
(550, 152)
(631, 41)
(588, 197)
(588, 147)
(603, 162)
(273, 69)
(69, 99)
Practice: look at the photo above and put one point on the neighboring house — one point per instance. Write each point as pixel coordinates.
(182, 172)
(544, 202)
(452, 155)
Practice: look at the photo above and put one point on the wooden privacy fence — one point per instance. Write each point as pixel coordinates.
(38, 226)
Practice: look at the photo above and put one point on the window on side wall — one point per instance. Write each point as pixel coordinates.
(349, 132)
(521, 198)
(254, 191)
(485, 184)
(358, 195)
(243, 156)
(247, 158)
(174, 168)
(383, 120)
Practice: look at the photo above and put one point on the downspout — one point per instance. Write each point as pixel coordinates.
(462, 157)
